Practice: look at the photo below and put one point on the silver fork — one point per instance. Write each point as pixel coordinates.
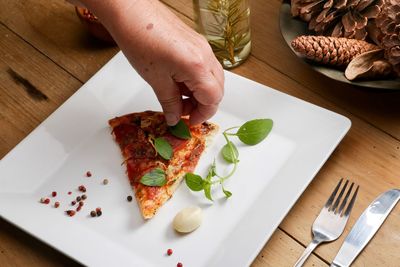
(332, 219)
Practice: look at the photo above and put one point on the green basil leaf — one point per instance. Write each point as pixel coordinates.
(194, 181)
(254, 131)
(180, 130)
(227, 193)
(163, 148)
(155, 177)
(207, 191)
(230, 153)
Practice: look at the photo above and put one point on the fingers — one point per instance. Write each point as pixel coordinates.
(206, 89)
(202, 113)
(170, 98)
(208, 92)
(218, 72)
(189, 104)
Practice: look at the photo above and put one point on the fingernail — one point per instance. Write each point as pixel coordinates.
(171, 119)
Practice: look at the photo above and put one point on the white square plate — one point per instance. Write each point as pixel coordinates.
(76, 138)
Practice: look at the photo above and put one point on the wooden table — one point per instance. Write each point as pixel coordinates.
(43, 42)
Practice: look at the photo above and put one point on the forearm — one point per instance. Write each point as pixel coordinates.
(138, 26)
(113, 14)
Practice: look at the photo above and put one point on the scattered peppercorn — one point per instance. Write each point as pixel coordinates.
(57, 204)
(99, 213)
(70, 212)
(46, 201)
(105, 181)
(129, 198)
(69, 193)
(73, 202)
(54, 193)
(82, 188)
(78, 208)
(84, 196)
(93, 213)
(98, 209)
(88, 174)
(179, 264)
(80, 203)
(78, 198)
(169, 252)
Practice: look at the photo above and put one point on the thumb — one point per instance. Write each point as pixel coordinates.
(170, 99)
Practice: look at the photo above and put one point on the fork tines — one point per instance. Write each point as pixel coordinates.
(332, 205)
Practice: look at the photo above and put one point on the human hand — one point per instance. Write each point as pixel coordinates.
(175, 60)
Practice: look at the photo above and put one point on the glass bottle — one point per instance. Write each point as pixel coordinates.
(226, 25)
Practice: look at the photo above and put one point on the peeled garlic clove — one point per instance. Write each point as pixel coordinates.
(188, 219)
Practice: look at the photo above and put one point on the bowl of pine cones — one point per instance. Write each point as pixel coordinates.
(353, 41)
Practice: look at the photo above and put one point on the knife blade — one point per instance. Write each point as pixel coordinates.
(366, 227)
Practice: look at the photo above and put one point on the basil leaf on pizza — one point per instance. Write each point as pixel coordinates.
(155, 177)
(163, 148)
(180, 130)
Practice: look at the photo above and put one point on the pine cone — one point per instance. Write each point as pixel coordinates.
(334, 51)
(338, 18)
(388, 37)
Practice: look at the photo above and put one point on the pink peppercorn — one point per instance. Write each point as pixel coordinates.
(57, 204)
(169, 252)
(179, 264)
(70, 212)
(88, 174)
(46, 201)
(82, 188)
(54, 193)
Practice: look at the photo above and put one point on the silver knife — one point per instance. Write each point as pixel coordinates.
(366, 227)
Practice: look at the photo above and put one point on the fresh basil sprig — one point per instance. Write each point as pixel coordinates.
(163, 148)
(156, 177)
(250, 133)
(180, 130)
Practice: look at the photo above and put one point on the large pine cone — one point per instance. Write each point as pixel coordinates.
(334, 51)
(338, 18)
(388, 34)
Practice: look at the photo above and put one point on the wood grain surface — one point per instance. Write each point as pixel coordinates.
(46, 55)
